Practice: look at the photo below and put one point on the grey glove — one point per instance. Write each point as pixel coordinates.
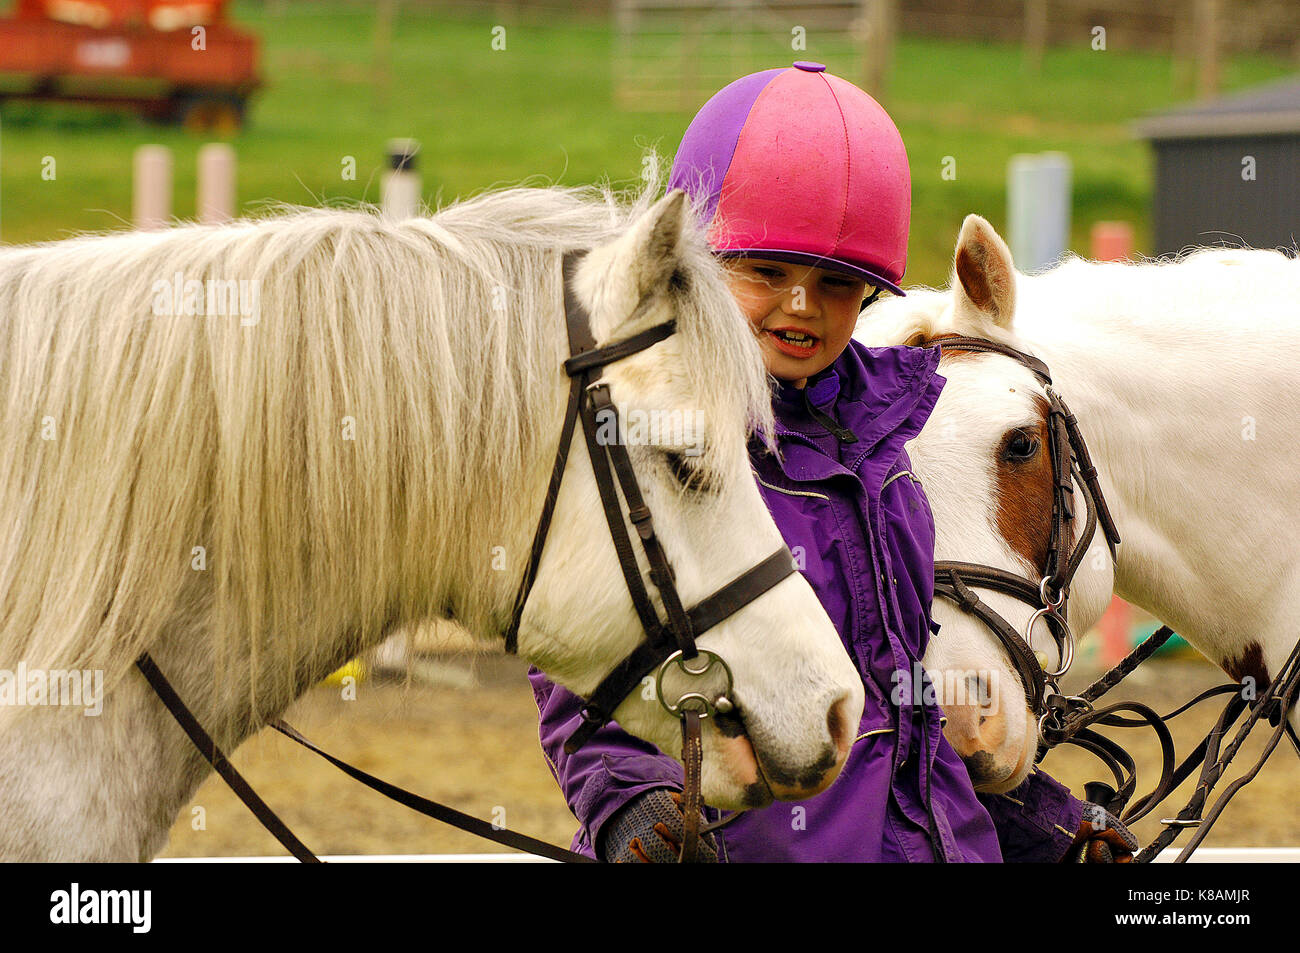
(649, 830)
(1102, 838)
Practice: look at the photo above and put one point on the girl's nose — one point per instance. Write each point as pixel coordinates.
(802, 301)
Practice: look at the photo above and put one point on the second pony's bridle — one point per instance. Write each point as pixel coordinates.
(1069, 719)
(1048, 595)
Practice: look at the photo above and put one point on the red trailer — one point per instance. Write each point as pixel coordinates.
(173, 60)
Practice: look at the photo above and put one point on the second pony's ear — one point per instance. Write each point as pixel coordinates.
(984, 279)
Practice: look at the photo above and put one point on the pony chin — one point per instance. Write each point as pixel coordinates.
(731, 777)
(1023, 766)
(738, 774)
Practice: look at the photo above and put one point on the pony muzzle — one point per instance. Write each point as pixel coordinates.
(768, 773)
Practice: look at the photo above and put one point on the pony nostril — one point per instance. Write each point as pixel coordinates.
(982, 766)
(729, 724)
(838, 724)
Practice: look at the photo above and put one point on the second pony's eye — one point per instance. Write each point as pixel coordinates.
(1021, 446)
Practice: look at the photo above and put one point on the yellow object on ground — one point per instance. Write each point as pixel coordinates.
(355, 668)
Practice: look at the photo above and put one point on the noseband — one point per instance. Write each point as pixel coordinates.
(669, 645)
(954, 580)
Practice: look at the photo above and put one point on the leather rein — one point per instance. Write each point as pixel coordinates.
(1067, 719)
(669, 648)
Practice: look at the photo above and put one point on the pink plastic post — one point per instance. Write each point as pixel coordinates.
(1116, 628)
(1112, 241)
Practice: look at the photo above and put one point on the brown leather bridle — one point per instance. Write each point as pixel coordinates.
(956, 581)
(1066, 719)
(669, 644)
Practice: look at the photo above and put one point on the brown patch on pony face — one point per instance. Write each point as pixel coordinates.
(1250, 664)
(1024, 490)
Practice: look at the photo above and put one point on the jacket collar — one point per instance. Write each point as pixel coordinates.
(822, 389)
(883, 394)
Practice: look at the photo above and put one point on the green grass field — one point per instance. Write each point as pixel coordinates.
(542, 110)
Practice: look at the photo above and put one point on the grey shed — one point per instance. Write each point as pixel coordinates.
(1228, 171)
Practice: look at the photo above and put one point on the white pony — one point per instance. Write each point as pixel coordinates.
(1178, 376)
(359, 439)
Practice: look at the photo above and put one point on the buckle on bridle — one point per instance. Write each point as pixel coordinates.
(1058, 709)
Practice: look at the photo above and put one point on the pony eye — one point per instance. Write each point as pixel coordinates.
(683, 471)
(1021, 446)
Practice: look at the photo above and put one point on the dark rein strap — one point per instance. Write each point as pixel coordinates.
(213, 754)
(1276, 702)
(439, 812)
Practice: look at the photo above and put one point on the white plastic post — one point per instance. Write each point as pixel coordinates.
(152, 198)
(216, 183)
(400, 188)
(1038, 209)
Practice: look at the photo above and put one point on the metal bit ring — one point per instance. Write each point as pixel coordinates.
(694, 700)
(1064, 643)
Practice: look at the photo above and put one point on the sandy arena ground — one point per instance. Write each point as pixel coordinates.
(466, 734)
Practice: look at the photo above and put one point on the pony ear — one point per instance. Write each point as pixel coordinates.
(655, 252)
(639, 263)
(984, 282)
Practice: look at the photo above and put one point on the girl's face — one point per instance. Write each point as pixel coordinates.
(804, 317)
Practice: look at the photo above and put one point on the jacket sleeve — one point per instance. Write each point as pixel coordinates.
(1036, 822)
(611, 769)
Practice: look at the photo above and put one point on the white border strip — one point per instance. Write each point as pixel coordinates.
(502, 858)
(1234, 855)
(1203, 855)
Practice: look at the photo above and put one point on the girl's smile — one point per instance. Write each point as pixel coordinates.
(794, 341)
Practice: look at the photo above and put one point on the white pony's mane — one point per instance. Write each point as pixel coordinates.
(346, 463)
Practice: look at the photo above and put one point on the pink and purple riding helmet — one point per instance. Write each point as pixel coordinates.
(798, 165)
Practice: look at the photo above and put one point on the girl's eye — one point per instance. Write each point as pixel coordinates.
(846, 283)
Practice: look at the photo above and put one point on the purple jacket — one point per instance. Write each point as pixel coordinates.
(860, 526)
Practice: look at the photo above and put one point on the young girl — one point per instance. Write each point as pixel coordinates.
(804, 181)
